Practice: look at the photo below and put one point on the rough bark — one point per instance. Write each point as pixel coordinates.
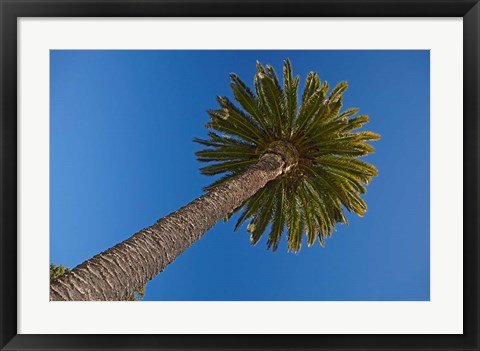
(117, 272)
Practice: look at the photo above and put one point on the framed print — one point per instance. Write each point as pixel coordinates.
(239, 175)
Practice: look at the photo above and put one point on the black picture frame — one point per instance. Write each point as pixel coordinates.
(10, 10)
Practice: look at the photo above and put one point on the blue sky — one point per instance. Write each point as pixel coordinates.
(122, 156)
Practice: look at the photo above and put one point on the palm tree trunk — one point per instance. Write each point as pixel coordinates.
(119, 271)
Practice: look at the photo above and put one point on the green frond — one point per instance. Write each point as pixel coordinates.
(232, 166)
(324, 130)
(290, 85)
(246, 98)
(251, 207)
(232, 130)
(348, 112)
(260, 68)
(355, 180)
(320, 202)
(334, 187)
(294, 222)
(356, 123)
(226, 153)
(278, 221)
(354, 166)
(320, 115)
(263, 216)
(272, 98)
(334, 108)
(312, 85)
(271, 73)
(338, 90)
(308, 212)
(236, 117)
(366, 135)
(307, 111)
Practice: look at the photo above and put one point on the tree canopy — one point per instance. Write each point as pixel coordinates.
(319, 141)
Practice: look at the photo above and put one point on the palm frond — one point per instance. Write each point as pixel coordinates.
(272, 99)
(290, 87)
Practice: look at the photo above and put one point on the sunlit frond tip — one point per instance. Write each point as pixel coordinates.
(310, 199)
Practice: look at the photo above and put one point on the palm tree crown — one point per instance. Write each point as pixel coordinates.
(317, 142)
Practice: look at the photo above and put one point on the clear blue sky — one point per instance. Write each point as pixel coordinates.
(122, 156)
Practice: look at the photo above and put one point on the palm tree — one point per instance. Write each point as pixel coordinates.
(285, 164)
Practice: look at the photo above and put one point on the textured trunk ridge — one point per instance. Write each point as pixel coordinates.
(119, 271)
